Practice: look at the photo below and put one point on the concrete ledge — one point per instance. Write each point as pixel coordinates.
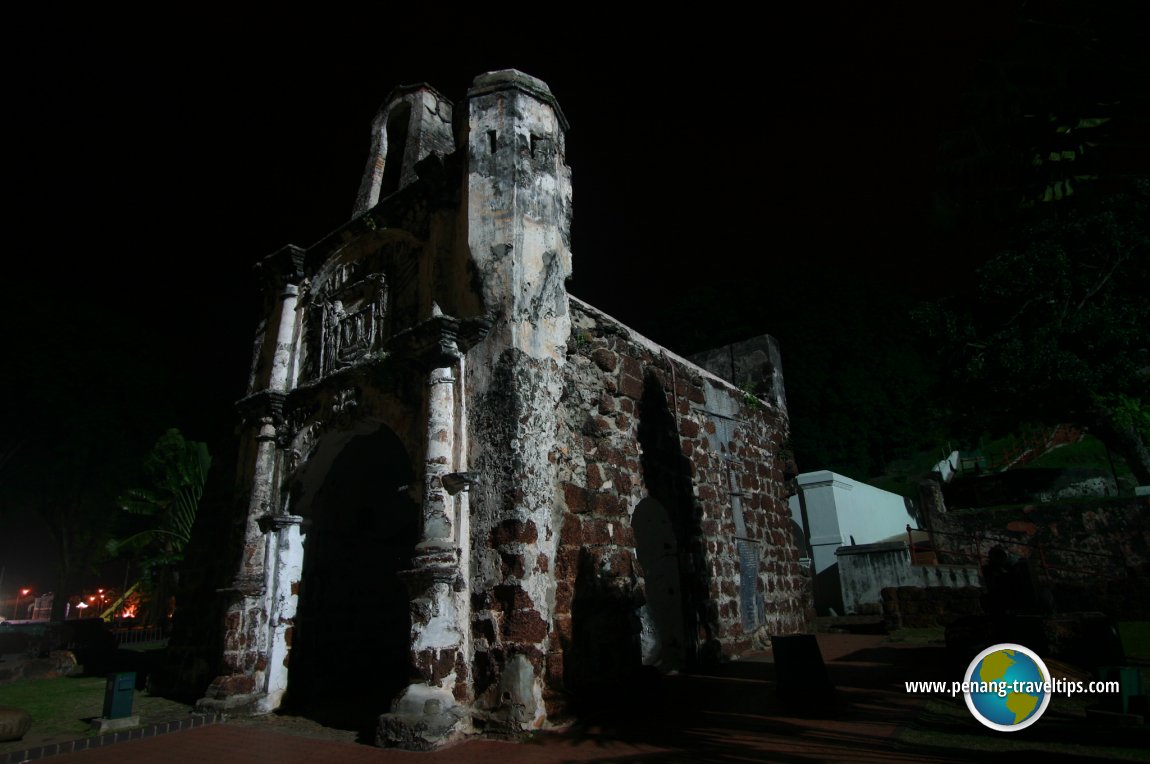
(111, 725)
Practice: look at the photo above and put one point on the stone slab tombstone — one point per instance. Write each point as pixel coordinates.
(801, 678)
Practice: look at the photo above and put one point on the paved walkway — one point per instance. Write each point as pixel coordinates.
(730, 715)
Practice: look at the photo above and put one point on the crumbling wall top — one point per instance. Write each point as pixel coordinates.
(513, 79)
(401, 90)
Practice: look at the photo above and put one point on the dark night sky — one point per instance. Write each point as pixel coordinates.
(151, 170)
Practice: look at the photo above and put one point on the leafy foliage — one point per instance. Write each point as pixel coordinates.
(177, 470)
(1073, 308)
(1057, 107)
(1060, 327)
(80, 403)
(1130, 412)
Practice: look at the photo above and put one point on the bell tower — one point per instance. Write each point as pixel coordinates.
(414, 121)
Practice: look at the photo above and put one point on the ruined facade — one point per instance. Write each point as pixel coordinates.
(467, 492)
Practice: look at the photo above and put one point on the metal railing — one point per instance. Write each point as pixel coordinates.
(139, 636)
(1111, 563)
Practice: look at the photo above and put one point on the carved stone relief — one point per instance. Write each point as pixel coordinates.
(351, 310)
(351, 314)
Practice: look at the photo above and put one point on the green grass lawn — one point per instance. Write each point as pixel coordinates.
(1088, 453)
(61, 702)
(61, 708)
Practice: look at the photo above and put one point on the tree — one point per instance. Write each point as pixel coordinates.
(177, 470)
(70, 453)
(1058, 106)
(1060, 327)
(81, 402)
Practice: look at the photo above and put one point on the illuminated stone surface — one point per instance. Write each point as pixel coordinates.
(467, 493)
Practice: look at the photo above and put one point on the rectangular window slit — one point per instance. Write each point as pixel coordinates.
(491, 140)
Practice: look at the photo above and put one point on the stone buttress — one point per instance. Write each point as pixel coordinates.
(519, 207)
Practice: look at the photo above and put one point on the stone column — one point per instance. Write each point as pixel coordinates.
(281, 377)
(427, 713)
(437, 516)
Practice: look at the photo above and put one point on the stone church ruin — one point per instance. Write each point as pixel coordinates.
(467, 492)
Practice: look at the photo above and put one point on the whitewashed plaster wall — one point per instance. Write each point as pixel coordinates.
(842, 511)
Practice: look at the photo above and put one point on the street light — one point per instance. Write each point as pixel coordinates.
(16, 608)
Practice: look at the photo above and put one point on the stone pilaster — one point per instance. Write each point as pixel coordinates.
(286, 548)
(254, 633)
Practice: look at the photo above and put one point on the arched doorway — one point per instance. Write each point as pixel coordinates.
(350, 646)
(664, 638)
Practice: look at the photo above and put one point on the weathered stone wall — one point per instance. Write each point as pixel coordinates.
(662, 465)
(753, 365)
(866, 569)
(916, 607)
(512, 539)
(1094, 555)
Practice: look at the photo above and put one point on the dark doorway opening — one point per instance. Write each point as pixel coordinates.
(350, 650)
(664, 634)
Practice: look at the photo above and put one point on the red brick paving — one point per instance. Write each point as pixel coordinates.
(729, 715)
(223, 744)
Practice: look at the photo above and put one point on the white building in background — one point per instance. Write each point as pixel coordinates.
(833, 510)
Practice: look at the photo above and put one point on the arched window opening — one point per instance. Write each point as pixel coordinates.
(396, 139)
